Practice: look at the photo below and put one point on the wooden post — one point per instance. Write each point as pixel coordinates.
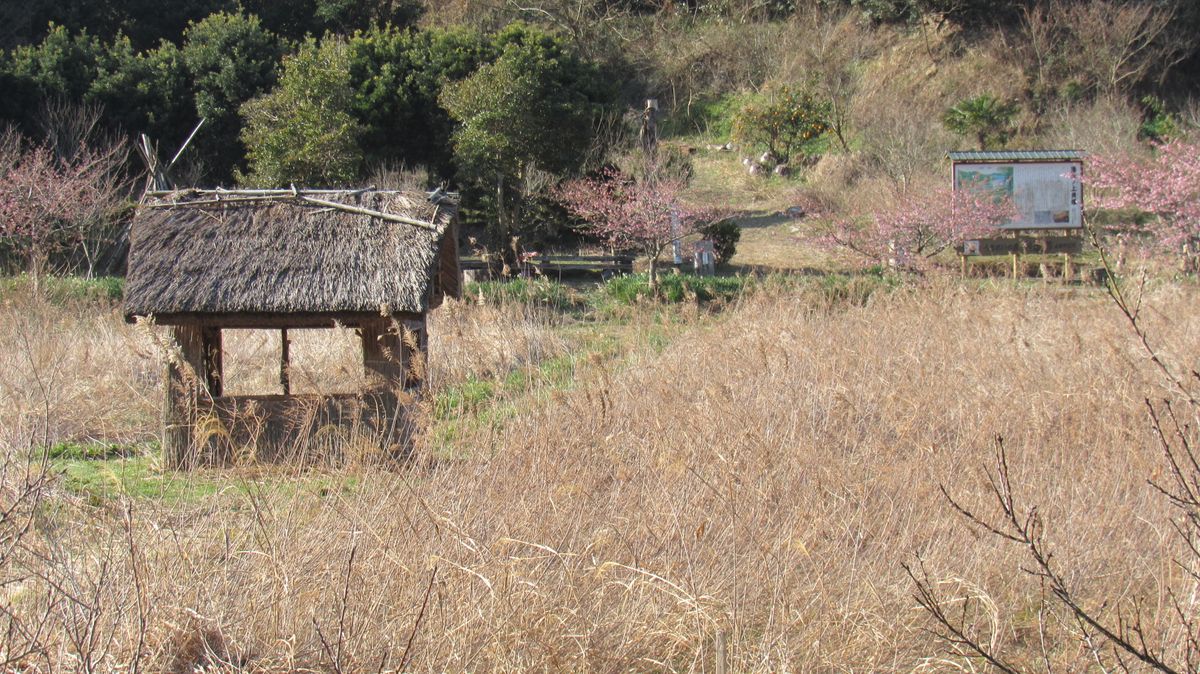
(722, 654)
(649, 131)
(416, 350)
(214, 361)
(383, 355)
(185, 381)
(1015, 256)
(1067, 272)
(962, 266)
(285, 362)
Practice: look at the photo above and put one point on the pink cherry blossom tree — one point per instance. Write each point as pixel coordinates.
(919, 225)
(1166, 186)
(48, 200)
(646, 215)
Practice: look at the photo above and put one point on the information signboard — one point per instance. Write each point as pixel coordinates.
(1046, 194)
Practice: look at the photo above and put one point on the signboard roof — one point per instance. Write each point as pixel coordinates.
(1015, 155)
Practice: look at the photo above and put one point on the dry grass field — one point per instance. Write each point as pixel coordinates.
(754, 482)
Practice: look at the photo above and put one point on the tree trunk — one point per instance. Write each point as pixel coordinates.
(36, 267)
(503, 228)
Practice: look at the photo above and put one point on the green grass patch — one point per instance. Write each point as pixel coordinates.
(63, 290)
(103, 472)
(538, 292)
(674, 288)
(710, 118)
(134, 476)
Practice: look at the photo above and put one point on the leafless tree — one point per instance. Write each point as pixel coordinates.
(1119, 633)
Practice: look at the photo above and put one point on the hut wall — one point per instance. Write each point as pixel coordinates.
(302, 429)
(201, 426)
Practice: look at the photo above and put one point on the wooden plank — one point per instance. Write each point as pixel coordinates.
(285, 362)
(583, 258)
(383, 355)
(276, 321)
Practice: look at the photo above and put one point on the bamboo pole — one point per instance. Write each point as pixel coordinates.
(253, 196)
(374, 214)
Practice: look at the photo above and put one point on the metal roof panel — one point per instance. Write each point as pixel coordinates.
(1015, 155)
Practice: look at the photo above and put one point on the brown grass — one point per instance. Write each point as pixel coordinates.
(762, 479)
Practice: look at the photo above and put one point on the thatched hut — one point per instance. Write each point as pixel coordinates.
(202, 261)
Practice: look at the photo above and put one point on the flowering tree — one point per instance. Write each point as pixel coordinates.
(1166, 186)
(48, 200)
(646, 215)
(919, 225)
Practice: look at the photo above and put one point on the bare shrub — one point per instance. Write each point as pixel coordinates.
(898, 132)
(1106, 47)
(1108, 125)
(683, 65)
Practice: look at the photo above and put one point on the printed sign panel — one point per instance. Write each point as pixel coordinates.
(1047, 195)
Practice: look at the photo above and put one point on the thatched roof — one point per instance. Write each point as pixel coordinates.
(290, 252)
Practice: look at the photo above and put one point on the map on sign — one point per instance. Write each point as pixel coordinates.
(1047, 195)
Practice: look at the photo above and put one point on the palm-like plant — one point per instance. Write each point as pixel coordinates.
(986, 117)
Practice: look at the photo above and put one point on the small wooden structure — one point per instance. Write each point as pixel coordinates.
(202, 261)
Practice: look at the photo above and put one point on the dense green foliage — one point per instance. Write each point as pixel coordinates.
(782, 125)
(303, 132)
(230, 59)
(504, 101)
(397, 76)
(985, 118)
(529, 111)
(725, 235)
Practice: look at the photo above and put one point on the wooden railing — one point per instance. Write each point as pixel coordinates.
(560, 264)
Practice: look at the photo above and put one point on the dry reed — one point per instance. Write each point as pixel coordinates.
(761, 480)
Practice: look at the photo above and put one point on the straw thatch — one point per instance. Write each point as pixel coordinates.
(280, 253)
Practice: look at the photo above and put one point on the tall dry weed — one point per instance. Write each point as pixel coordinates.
(74, 373)
(757, 484)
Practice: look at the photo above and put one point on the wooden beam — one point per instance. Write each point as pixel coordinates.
(268, 321)
(285, 362)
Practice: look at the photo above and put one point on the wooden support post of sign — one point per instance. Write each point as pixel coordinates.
(1066, 275)
(722, 648)
(962, 265)
(285, 358)
(1015, 256)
